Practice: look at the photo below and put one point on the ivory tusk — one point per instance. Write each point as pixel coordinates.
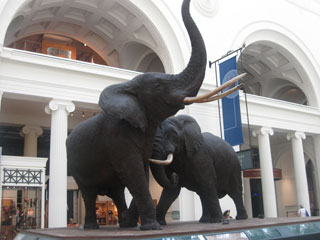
(221, 95)
(163, 162)
(213, 92)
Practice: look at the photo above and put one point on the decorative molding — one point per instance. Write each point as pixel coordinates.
(208, 8)
(55, 104)
(21, 176)
(280, 115)
(22, 162)
(29, 129)
(263, 131)
(296, 135)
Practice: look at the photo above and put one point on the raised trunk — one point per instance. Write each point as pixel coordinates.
(191, 78)
(161, 177)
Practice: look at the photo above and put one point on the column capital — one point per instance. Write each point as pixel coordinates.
(55, 104)
(29, 129)
(296, 135)
(263, 131)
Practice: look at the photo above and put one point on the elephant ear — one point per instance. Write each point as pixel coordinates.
(122, 103)
(192, 135)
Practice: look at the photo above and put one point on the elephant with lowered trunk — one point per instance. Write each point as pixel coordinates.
(203, 163)
(110, 151)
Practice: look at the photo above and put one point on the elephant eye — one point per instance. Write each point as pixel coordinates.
(172, 134)
(175, 135)
(158, 86)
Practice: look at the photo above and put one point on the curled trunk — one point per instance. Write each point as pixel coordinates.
(191, 78)
(160, 175)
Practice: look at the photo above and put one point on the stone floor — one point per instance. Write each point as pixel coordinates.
(170, 230)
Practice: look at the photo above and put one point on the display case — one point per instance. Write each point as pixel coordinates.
(107, 213)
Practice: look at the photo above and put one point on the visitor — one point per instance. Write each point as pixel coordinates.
(112, 219)
(302, 212)
(226, 214)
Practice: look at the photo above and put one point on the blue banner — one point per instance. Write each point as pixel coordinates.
(231, 105)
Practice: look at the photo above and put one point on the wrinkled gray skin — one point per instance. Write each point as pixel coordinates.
(202, 163)
(110, 151)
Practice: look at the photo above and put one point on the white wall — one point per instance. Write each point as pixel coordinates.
(285, 188)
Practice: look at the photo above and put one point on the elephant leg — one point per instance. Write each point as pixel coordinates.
(130, 216)
(137, 183)
(119, 199)
(166, 199)
(89, 196)
(211, 207)
(206, 216)
(206, 180)
(236, 196)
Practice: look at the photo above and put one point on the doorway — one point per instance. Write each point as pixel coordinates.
(21, 209)
(256, 198)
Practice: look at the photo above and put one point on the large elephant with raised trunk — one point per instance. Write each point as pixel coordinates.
(201, 162)
(110, 151)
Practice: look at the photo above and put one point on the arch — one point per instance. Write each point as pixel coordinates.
(173, 33)
(285, 90)
(171, 46)
(138, 57)
(275, 33)
(9, 8)
(150, 63)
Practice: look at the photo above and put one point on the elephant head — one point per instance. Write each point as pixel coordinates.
(175, 137)
(150, 98)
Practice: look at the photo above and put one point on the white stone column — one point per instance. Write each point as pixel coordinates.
(31, 134)
(43, 198)
(59, 111)
(247, 196)
(267, 179)
(300, 168)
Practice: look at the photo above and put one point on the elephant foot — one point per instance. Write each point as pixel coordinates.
(151, 226)
(128, 224)
(204, 219)
(128, 221)
(215, 220)
(162, 221)
(242, 216)
(210, 220)
(161, 218)
(91, 226)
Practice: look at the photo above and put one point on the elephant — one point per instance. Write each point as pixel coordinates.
(201, 162)
(110, 151)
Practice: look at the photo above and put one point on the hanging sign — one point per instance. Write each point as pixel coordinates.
(231, 105)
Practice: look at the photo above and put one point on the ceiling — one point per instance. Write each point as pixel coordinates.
(272, 72)
(112, 28)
